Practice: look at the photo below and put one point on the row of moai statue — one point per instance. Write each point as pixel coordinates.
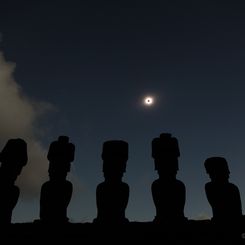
(112, 195)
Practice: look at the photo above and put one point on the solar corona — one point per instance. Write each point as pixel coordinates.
(148, 101)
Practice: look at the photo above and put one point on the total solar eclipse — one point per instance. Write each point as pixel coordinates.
(148, 101)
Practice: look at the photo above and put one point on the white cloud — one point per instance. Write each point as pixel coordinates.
(18, 116)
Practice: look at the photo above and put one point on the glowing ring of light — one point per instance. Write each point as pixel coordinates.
(148, 101)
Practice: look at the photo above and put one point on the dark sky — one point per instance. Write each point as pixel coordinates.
(94, 61)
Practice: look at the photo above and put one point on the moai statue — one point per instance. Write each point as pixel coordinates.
(168, 192)
(223, 196)
(56, 193)
(13, 158)
(112, 194)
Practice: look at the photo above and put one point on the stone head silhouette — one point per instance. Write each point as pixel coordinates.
(217, 169)
(112, 194)
(165, 152)
(168, 193)
(60, 155)
(13, 158)
(115, 156)
(223, 196)
(56, 193)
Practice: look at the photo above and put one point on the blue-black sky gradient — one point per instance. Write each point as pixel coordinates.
(94, 61)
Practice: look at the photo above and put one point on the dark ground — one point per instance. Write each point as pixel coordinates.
(193, 232)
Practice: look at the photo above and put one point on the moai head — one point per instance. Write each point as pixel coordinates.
(115, 156)
(13, 158)
(165, 151)
(61, 154)
(217, 169)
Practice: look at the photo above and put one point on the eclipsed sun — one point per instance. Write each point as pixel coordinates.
(148, 101)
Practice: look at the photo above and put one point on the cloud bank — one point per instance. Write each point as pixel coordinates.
(18, 116)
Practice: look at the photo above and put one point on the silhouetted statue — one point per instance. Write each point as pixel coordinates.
(223, 196)
(13, 157)
(168, 192)
(56, 193)
(112, 194)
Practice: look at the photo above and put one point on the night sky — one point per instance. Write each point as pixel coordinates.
(83, 68)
